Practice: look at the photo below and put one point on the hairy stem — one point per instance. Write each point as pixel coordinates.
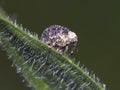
(43, 67)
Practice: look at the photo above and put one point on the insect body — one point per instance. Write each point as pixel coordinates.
(60, 38)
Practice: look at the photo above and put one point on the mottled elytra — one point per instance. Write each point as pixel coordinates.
(59, 37)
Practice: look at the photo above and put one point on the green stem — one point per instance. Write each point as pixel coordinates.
(43, 67)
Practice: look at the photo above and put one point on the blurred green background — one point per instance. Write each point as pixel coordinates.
(96, 22)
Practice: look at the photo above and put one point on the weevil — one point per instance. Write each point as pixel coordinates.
(59, 37)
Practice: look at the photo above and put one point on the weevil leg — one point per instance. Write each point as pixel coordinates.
(66, 49)
(74, 47)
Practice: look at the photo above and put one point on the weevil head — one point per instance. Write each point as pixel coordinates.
(72, 37)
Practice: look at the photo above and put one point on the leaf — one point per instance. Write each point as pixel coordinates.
(41, 66)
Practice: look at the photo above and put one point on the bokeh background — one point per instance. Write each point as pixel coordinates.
(96, 22)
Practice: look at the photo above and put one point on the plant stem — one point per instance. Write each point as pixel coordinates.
(43, 67)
